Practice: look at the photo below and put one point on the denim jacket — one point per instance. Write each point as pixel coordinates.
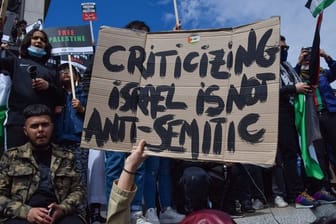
(69, 124)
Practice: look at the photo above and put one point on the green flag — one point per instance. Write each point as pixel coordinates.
(306, 122)
(316, 6)
(5, 84)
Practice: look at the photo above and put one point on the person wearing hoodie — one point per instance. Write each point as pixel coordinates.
(32, 82)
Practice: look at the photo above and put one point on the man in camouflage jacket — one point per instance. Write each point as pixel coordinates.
(31, 192)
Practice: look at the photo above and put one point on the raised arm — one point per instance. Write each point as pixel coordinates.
(124, 189)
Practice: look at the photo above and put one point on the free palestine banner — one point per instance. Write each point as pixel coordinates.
(70, 40)
(199, 94)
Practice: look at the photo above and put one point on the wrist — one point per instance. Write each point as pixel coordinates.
(129, 171)
(80, 108)
(130, 167)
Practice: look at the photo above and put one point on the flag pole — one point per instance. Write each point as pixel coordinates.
(91, 30)
(71, 78)
(176, 14)
(314, 62)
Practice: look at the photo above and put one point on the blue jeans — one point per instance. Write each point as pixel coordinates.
(157, 171)
(114, 164)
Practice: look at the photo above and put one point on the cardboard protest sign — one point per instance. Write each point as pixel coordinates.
(70, 40)
(200, 94)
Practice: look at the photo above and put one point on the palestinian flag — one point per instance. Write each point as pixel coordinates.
(307, 125)
(316, 6)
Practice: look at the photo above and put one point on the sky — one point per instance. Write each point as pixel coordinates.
(297, 23)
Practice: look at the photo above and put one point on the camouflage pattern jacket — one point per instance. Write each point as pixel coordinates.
(20, 177)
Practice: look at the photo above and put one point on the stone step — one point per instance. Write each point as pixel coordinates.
(288, 215)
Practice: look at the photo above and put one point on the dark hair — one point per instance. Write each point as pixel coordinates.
(26, 42)
(66, 65)
(22, 22)
(137, 25)
(36, 110)
(282, 38)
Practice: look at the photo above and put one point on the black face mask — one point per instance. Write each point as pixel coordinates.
(283, 55)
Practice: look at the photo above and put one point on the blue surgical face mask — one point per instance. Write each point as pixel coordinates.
(36, 51)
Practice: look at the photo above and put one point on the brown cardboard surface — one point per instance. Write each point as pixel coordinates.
(204, 94)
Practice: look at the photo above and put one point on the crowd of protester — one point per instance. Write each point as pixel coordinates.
(164, 190)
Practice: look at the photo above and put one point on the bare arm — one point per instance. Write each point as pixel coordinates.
(123, 190)
(126, 180)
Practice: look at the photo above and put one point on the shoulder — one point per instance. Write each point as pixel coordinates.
(80, 88)
(62, 152)
(16, 156)
(20, 151)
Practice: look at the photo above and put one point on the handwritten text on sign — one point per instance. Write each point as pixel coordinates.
(209, 95)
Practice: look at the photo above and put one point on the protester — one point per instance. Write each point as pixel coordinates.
(199, 185)
(254, 189)
(70, 117)
(325, 99)
(14, 31)
(288, 145)
(114, 161)
(124, 189)
(244, 188)
(158, 182)
(18, 31)
(32, 82)
(69, 120)
(38, 180)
